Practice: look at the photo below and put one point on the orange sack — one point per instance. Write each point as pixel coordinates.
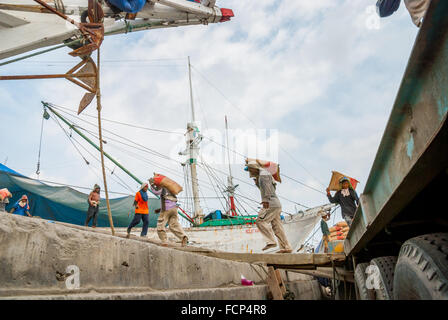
(342, 224)
(4, 193)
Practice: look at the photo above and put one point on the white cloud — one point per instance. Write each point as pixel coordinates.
(309, 69)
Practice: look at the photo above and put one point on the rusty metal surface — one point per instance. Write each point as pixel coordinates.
(92, 32)
(21, 7)
(414, 146)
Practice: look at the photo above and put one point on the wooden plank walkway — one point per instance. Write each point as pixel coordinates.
(300, 261)
(278, 260)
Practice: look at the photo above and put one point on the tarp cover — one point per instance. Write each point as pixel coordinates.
(66, 204)
(131, 6)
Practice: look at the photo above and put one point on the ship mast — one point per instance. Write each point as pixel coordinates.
(193, 150)
(230, 187)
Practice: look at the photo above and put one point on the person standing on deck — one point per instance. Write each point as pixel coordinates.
(94, 204)
(325, 231)
(141, 210)
(268, 219)
(346, 198)
(21, 207)
(168, 214)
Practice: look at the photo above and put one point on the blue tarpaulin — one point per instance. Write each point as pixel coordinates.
(130, 6)
(66, 204)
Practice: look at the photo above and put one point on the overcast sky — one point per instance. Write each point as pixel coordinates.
(320, 77)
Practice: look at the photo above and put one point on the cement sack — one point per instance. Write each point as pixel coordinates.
(335, 228)
(165, 182)
(272, 167)
(4, 193)
(334, 182)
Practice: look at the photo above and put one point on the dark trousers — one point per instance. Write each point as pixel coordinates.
(92, 213)
(136, 221)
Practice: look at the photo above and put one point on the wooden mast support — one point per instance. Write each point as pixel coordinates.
(100, 136)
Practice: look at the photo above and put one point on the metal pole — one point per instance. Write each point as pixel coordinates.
(198, 215)
(191, 91)
(105, 153)
(91, 142)
(230, 188)
(47, 76)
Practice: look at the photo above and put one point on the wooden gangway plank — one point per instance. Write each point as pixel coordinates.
(280, 260)
(307, 261)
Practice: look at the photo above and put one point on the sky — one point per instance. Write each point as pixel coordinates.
(315, 81)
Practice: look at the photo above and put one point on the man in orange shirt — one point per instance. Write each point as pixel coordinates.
(141, 210)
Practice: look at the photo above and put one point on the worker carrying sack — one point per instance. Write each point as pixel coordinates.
(271, 167)
(4, 194)
(165, 182)
(335, 184)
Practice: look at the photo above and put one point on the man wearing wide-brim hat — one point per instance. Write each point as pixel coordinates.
(268, 220)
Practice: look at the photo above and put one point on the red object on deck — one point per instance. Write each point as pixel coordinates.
(232, 207)
(226, 14)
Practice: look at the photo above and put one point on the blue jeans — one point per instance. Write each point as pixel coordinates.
(136, 221)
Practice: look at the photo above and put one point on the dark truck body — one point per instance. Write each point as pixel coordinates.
(406, 194)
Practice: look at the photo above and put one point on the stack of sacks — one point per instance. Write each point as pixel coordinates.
(339, 231)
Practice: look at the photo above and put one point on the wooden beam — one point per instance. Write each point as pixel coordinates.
(274, 285)
(281, 260)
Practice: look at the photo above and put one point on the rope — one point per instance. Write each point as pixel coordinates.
(40, 147)
(248, 118)
(114, 121)
(220, 144)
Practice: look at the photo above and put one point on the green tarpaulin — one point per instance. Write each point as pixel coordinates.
(66, 204)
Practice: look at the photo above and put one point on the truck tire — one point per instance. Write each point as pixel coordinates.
(360, 282)
(386, 268)
(422, 268)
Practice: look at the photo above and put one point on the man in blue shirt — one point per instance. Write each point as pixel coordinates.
(21, 207)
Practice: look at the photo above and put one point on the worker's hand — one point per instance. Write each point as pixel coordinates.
(265, 205)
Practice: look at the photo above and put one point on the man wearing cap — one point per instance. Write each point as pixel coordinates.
(21, 207)
(346, 198)
(141, 210)
(268, 219)
(94, 204)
